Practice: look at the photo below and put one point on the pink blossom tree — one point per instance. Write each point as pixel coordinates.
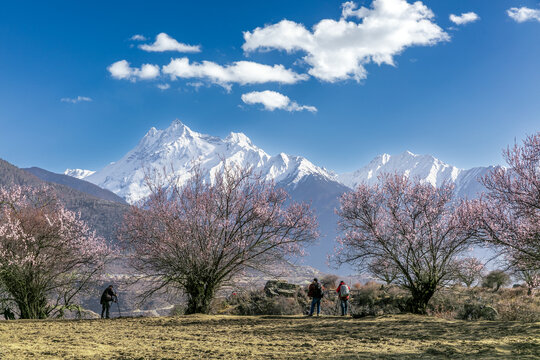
(48, 255)
(509, 213)
(198, 237)
(415, 228)
(469, 270)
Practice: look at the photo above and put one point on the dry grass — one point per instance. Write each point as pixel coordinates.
(268, 337)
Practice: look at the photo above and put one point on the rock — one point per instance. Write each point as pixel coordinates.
(280, 288)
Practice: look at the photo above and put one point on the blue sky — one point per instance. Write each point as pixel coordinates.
(458, 92)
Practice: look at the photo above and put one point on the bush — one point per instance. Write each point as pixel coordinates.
(478, 312)
(329, 282)
(519, 309)
(375, 299)
(261, 302)
(463, 303)
(496, 279)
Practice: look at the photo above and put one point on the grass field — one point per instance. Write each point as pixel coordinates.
(268, 337)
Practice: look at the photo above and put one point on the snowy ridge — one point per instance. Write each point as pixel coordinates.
(178, 148)
(78, 173)
(425, 168)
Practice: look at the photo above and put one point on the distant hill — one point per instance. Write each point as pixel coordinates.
(74, 183)
(103, 216)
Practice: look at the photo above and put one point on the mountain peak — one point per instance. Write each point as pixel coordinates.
(178, 128)
(78, 173)
(239, 138)
(408, 153)
(178, 146)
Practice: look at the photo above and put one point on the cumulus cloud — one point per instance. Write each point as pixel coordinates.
(166, 43)
(123, 71)
(464, 18)
(272, 100)
(339, 50)
(240, 72)
(138, 37)
(76, 100)
(163, 86)
(523, 14)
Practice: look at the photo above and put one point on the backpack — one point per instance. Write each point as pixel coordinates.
(344, 291)
(318, 291)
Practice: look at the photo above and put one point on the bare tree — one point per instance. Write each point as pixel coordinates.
(414, 227)
(47, 254)
(530, 277)
(197, 237)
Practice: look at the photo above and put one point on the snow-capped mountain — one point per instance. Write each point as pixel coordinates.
(425, 168)
(178, 148)
(78, 173)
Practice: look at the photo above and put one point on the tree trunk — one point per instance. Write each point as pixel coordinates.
(200, 296)
(27, 294)
(34, 306)
(420, 299)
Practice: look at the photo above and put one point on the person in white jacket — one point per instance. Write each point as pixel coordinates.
(343, 291)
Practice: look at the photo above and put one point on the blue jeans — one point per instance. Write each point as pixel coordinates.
(313, 302)
(344, 306)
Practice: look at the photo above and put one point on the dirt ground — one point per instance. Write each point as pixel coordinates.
(268, 337)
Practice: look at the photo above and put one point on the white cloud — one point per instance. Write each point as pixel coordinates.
(240, 72)
(523, 14)
(163, 86)
(339, 50)
(138, 37)
(76, 100)
(464, 18)
(196, 85)
(272, 100)
(122, 70)
(166, 43)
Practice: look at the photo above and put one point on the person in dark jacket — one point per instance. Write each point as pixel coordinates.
(343, 291)
(315, 292)
(107, 297)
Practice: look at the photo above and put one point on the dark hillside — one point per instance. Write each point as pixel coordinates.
(74, 183)
(103, 216)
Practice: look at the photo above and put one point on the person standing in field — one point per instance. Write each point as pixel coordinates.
(107, 297)
(343, 291)
(315, 292)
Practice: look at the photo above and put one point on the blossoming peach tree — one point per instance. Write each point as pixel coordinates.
(413, 228)
(468, 270)
(48, 255)
(509, 213)
(199, 236)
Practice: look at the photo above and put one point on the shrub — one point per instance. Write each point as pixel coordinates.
(329, 281)
(519, 309)
(476, 311)
(374, 299)
(496, 279)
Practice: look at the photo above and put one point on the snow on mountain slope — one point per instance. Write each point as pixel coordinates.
(178, 148)
(78, 173)
(426, 168)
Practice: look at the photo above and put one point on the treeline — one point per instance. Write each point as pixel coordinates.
(198, 237)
